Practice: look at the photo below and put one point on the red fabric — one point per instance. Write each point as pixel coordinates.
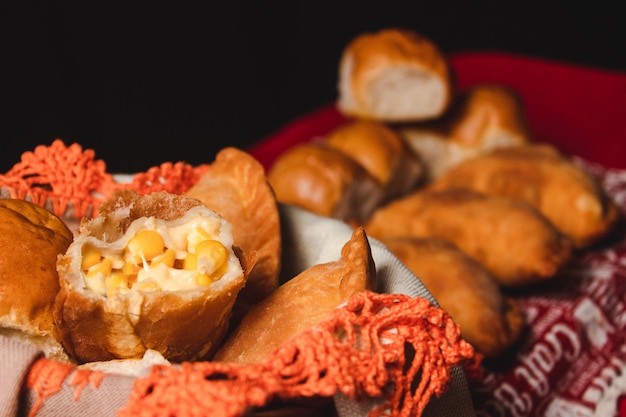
(581, 110)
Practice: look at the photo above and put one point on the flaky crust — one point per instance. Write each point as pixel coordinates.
(382, 152)
(570, 197)
(489, 320)
(301, 302)
(324, 181)
(237, 188)
(394, 75)
(181, 325)
(516, 244)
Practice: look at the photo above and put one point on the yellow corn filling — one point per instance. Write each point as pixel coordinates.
(158, 257)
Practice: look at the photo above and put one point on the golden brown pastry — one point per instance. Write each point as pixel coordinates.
(155, 272)
(301, 302)
(236, 187)
(326, 182)
(382, 152)
(516, 244)
(394, 75)
(31, 238)
(484, 117)
(490, 321)
(569, 196)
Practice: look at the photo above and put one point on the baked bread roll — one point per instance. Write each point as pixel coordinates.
(393, 75)
(318, 178)
(489, 320)
(569, 196)
(511, 239)
(151, 272)
(301, 302)
(382, 152)
(236, 187)
(31, 238)
(484, 117)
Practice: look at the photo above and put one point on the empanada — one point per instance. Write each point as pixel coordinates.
(569, 196)
(516, 244)
(301, 302)
(236, 187)
(491, 321)
(155, 272)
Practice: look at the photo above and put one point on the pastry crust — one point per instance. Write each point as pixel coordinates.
(237, 188)
(301, 302)
(570, 197)
(516, 244)
(382, 152)
(491, 321)
(181, 324)
(326, 182)
(31, 238)
(394, 75)
(482, 118)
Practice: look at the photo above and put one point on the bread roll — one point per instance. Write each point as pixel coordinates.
(511, 239)
(382, 152)
(155, 272)
(326, 182)
(569, 196)
(31, 238)
(393, 75)
(491, 321)
(301, 302)
(482, 118)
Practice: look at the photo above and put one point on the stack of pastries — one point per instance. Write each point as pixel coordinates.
(451, 181)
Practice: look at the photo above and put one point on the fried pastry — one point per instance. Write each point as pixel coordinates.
(236, 187)
(301, 302)
(490, 321)
(483, 117)
(155, 272)
(516, 244)
(382, 152)
(326, 182)
(568, 195)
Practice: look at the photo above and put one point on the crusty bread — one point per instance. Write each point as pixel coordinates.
(394, 75)
(157, 306)
(382, 152)
(482, 118)
(324, 181)
(31, 238)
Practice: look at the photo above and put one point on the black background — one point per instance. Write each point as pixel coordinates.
(145, 83)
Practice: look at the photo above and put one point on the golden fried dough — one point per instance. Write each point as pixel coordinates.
(236, 187)
(301, 302)
(564, 192)
(516, 244)
(489, 320)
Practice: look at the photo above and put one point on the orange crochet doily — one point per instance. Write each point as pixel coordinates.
(359, 350)
(63, 176)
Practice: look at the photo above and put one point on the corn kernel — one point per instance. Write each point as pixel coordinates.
(212, 255)
(145, 245)
(203, 279)
(167, 258)
(190, 262)
(104, 268)
(116, 283)
(91, 256)
(196, 236)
